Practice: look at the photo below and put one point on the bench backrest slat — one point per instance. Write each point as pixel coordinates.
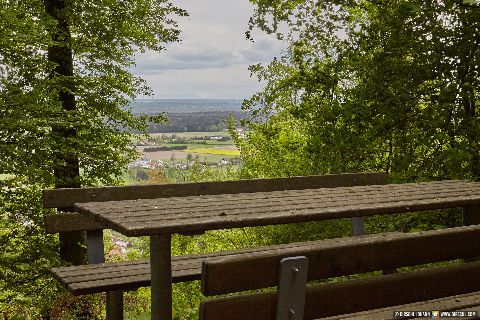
(67, 222)
(353, 296)
(64, 199)
(341, 257)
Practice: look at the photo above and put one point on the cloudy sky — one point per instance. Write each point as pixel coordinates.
(213, 57)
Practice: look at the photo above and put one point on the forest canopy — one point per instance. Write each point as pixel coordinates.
(368, 85)
(365, 85)
(65, 83)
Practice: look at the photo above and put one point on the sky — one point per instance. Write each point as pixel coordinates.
(213, 57)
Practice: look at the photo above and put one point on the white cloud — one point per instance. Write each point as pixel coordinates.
(226, 82)
(205, 56)
(185, 58)
(213, 58)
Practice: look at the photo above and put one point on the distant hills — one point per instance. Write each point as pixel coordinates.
(190, 115)
(152, 106)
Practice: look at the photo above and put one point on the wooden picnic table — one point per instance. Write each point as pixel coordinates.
(162, 217)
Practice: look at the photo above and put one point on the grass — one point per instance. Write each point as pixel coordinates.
(128, 179)
(188, 145)
(219, 151)
(214, 158)
(219, 143)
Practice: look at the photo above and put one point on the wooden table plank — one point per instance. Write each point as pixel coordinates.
(266, 201)
(215, 200)
(199, 213)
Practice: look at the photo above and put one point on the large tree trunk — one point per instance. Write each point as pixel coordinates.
(67, 172)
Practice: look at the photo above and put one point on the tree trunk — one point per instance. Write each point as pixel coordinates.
(67, 169)
(469, 106)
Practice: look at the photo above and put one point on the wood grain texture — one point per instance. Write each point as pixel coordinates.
(67, 222)
(340, 257)
(463, 302)
(350, 296)
(85, 279)
(65, 198)
(199, 213)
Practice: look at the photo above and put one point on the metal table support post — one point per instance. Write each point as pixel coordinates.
(95, 252)
(114, 305)
(161, 275)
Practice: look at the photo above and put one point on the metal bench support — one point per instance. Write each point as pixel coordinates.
(96, 254)
(291, 288)
(357, 226)
(95, 248)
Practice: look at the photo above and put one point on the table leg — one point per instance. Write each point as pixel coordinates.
(161, 275)
(114, 305)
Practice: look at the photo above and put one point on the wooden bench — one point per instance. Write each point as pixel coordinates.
(114, 278)
(454, 287)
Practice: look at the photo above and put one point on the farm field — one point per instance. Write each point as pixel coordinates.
(222, 151)
(191, 134)
(167, 155)
(206, 150)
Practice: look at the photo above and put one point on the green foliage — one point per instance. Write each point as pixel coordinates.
(201, 173)
(69, 307)
(366, 86)
(104, 39)
(27, 252)
(103, 36)
(275, 148)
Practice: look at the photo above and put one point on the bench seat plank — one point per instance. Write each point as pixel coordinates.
(387, 290)
(95, 278)
(463, 302)
(199, 213)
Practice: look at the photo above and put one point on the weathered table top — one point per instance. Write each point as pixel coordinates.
(199, 213)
